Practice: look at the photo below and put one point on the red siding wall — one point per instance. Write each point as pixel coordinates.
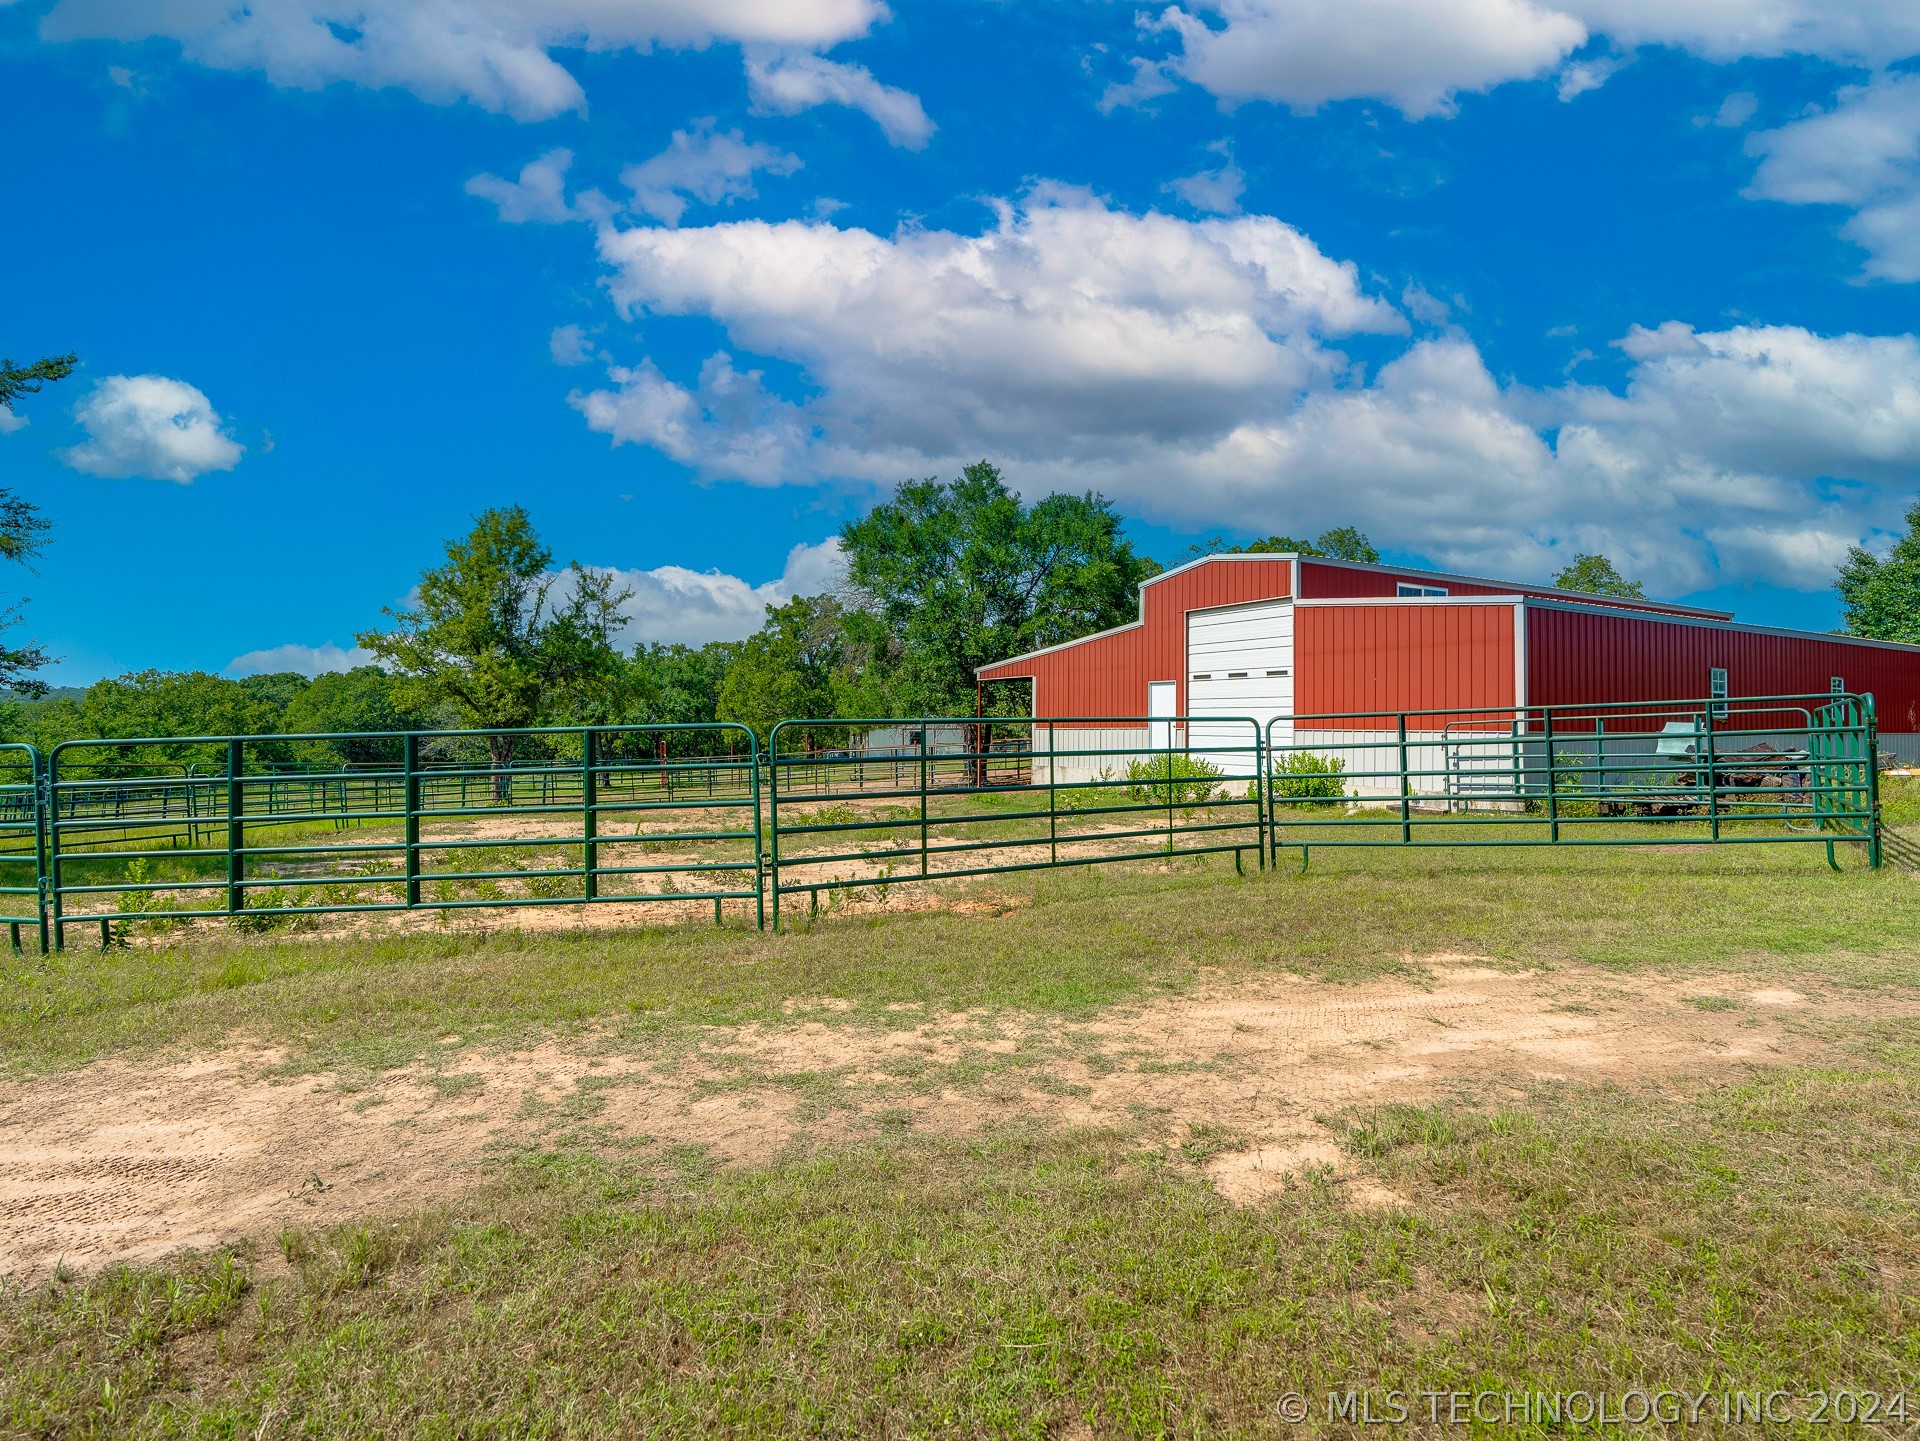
(1339, 581)
(1343, 582)
(1578, 658)
(1393, 658)
(1108, 676)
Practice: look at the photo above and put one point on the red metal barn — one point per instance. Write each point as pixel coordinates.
(1284, 637)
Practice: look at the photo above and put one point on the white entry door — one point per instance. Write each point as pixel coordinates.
(1163, 699)
(1240, 663)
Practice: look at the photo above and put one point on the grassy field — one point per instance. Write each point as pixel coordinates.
(1749, 1232)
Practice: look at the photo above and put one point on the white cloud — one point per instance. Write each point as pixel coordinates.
(1419, 55)
(1065, 323)
(1416, 54)
(1580, 76)
(1736, 110)
(674, 604)
(570, 345)
(539, 196)
(307, 660)
(1185, 369)
(1849, 31)
(1864, 153)
(705, 165)
(1216, 191)
(1150, 80)
(492, 53)
(10, 422)
(148, 425)
(787, 84)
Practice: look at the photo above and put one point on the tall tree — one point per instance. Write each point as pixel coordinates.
(785, 670)
(22, 528)
(499, 637)
(352, 702)
(964, 572)
(1595, 575)
(1880, 599)
(1344, 542)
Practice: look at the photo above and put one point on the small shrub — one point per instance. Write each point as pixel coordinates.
(1173, 780)
(1302, 776)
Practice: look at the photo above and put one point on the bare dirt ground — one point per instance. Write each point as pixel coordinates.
(122, 1163)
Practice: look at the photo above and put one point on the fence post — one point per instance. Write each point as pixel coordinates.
(410, 801)
(1260, 789)
(1553, 777)
(1406, 785)
(589, 819)
(1169, 787)
(923, 798)
(42, 809)
(772, 852)
(1870, 738)
(53, 851)
(1712, 776)
(236, 828)
(1053, 809)
(759, 836)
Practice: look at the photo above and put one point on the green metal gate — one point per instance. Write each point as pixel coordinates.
(255, 829)
(260, 830)
(932, 798)
(1764, 770)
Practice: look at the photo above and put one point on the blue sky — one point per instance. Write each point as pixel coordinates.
(697, 280)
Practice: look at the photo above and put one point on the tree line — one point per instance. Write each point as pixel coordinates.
(941, 578)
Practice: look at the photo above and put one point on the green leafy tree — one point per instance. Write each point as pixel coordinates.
(360, 701)
(496, 638)
(784, 671)
(1595, 575)
(1342, 543)
(1880, 598)
(961, 573)
(23, 529)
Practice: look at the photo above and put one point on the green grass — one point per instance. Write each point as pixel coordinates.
(1755, 1237)
(1073, 941)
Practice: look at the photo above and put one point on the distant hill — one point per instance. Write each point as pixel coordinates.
(59, 692)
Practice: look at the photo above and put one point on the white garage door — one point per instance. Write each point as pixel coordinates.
(1239, 663)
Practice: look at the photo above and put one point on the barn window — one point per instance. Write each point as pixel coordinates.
(1717, 690)
(1837, 685)
(1236, 675)
(1406, 588)
(1203, 675)
(1276, 672)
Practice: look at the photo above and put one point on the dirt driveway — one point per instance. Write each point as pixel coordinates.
(123, 1163)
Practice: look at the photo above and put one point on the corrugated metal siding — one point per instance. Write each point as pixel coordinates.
(1108, 676)
(1578, 658)
(1383, 659)
(1341, 582)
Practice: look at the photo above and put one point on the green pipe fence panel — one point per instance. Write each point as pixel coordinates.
(22, 843)
(1753, 770)
(264, 829)
(872, 804)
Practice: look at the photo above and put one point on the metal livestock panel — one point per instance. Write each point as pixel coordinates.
(1108, 674)
(1579, 657)
(1374, 660)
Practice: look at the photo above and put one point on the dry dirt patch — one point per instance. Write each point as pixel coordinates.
(119, 1162)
